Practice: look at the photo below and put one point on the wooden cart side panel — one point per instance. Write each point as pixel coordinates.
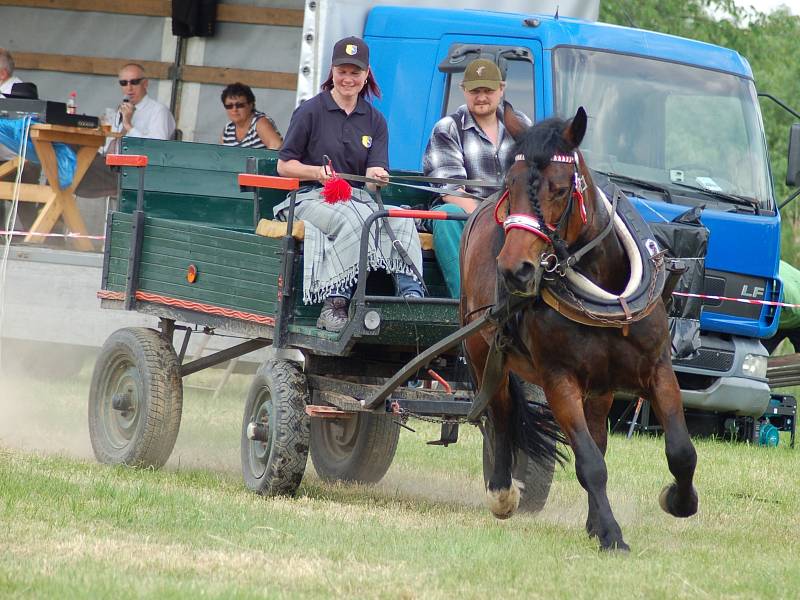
(234, 270)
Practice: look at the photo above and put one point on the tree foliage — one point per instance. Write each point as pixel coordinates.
(771, 44)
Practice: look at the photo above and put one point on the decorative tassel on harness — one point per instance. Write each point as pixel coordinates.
(335, 189)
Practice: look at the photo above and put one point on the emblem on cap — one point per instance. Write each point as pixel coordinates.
(351, 49)
(479, 71)
(366, 141)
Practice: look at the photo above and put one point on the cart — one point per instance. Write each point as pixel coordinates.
(342, 397)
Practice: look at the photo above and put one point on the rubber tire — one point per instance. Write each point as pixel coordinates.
(537, 476)
(278, 397)
(359, 449)
(139, 360)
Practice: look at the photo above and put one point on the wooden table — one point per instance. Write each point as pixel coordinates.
(58, 202)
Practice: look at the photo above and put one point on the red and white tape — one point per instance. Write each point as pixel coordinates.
(71, 236)
(741, 300)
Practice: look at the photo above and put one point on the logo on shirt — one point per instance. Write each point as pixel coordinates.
(366, 141)
(351, 49)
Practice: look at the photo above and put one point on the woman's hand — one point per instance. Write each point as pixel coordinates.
(323, 174)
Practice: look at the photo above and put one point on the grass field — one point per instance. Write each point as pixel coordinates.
(74, 528)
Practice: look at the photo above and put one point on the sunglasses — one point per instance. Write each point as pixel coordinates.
(124, 82)
(233, 105)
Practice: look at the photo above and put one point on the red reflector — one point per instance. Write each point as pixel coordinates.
(191, 274)
(126, 160)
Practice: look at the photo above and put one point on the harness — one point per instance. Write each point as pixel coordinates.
(571, 293)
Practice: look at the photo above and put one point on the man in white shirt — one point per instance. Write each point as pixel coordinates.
(140, 115)
(7, 78)
(31, 172)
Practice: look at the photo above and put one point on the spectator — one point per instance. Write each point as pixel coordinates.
(472, 143)
(138, 116)
(31, 172)
(141, 116)
(248, 127)
(7, 78)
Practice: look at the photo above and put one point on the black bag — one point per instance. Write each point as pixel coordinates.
(194, 18)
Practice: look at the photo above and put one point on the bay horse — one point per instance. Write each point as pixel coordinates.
(519, 247)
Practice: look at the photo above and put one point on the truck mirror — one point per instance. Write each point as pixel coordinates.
(793, 162)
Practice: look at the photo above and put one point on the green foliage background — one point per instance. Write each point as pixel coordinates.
(770, 42)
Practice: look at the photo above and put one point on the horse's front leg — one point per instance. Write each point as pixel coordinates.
(595, 409)
(565, 398)
(502, 492)
(679, 498)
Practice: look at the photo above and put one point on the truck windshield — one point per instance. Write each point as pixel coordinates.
(667, 123)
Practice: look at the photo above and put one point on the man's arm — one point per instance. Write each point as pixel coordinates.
(157, 126)
(444, 158)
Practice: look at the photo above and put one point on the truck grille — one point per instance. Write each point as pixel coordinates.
(732, 285)
(712, 359)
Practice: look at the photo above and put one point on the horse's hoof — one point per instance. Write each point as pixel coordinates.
(619, 547)
(504, 502)
(678, 507)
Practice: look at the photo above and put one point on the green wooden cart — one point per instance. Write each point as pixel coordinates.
(183, 248)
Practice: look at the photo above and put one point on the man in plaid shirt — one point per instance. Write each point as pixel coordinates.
(472, 143)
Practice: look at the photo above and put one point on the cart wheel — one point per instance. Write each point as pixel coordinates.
(536, 476)
(275, 428)
(359, 448)
(135, 399)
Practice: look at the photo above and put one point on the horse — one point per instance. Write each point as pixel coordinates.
(552, 222)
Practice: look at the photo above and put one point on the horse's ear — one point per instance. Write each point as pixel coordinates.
(514, 125)
(576, 128)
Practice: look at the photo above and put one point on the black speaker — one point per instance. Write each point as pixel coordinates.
(194, 18)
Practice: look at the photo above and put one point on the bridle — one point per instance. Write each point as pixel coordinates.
(560, 259)
(529, 222)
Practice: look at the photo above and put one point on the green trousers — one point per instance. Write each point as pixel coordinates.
(447, 245)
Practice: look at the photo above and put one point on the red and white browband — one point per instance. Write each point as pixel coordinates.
(530, 223)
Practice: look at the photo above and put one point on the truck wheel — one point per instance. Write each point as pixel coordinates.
(359, 448)
(535, 475)
(275, 430)
(135, 399)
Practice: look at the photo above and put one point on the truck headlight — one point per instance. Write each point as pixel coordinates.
(755, 365)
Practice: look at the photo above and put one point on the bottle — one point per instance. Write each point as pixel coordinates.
(71, 103)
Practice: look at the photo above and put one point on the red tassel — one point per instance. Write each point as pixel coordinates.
(336, 190)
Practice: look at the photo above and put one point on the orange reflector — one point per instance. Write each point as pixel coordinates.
(191, 274)
(268, 181)
(126, 160)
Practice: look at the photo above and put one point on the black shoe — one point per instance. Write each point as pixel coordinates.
(334, 314)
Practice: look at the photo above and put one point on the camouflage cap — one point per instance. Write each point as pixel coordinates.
(482, 73)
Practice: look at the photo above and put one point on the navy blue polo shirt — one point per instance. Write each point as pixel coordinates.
(354, 142)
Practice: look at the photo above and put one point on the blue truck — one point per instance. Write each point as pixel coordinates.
(675, 122)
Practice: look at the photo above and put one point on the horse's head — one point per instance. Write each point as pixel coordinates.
(543, 209)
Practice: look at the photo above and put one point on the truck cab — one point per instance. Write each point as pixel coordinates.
(674, 122)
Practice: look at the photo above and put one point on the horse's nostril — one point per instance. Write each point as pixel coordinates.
(521, 277)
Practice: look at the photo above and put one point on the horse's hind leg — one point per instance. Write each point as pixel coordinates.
(564, 397)
(679, 498)
(502, 492)
(595, 409)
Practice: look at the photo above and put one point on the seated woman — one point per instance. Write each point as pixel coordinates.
(247, 128)
(339, 123)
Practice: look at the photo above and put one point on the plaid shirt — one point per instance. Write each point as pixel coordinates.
(478, 159)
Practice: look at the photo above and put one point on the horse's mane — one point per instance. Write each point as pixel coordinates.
(541, 141)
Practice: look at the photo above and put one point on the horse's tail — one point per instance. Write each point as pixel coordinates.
(534, 429)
